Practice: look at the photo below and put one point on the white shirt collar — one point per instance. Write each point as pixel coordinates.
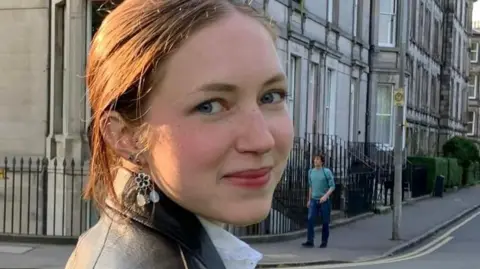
(235, 253)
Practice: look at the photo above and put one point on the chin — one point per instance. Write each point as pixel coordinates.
(249, 212)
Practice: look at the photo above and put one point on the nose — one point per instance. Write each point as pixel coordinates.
(255, 135)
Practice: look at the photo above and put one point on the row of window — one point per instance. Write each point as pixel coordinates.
(425, 91)
(424, 28)
(459, 52)
(334, 11)
(421, 21)
(421, 141)
(313, 104)
(425, 87)
(384, 115)
(458, 100)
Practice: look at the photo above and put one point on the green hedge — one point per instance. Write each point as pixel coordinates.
(447, 167)
(455, 173)
(433, 168)
(473, 174)
(465, 151)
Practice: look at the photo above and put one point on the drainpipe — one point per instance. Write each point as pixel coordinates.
(48, 71)
(370, 86)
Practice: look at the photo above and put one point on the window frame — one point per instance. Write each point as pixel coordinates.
(391, 28)
(474, 85)
(391, 115)
(472, 122)
(474, 51)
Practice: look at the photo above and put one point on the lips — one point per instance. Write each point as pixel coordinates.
(257, 178)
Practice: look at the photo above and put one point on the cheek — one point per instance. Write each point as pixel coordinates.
(192, 151)
(203, 149)
(282, 132)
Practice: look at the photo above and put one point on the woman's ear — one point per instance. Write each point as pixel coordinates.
(118, 135)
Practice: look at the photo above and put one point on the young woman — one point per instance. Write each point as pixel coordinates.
(189, 132)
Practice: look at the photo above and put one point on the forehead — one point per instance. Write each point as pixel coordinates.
(236, 49)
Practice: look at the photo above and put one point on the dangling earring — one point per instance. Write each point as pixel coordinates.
(146, 192)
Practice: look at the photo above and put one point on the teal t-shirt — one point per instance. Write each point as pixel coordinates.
(320, 180)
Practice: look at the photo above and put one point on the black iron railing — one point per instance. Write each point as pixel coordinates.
(44, 197)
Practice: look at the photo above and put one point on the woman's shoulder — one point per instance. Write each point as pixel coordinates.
(114, 245)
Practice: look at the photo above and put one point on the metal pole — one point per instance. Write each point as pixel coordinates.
(398, 150)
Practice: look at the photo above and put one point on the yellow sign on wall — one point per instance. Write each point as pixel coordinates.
(399, 97)
(2, 173)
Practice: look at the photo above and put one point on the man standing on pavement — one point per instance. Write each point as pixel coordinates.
(321, 186)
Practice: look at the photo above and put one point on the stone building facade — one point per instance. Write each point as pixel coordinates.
(455, 69)
(24, 69)
(323, 45)
(342, 64)
(473, 115)
(436, 70)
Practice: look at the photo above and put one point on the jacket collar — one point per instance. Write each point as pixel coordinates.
(172, 221)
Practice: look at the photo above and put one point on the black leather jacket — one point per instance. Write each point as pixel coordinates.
(172, 238)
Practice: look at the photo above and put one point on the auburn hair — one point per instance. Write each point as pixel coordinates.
(125, 61)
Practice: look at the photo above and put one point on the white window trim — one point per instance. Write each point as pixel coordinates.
(475, 44)
(473, 124)
(391, 34)
(475, 83)
(392, 115)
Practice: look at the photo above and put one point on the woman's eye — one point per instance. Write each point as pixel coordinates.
(272, 98)
(210, 107)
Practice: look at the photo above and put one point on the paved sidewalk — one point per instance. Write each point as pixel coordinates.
(33, 256)
(366, 238)
(369, 238)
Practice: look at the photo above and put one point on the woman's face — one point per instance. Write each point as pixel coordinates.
(223, 134)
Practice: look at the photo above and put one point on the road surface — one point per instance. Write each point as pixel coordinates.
(457, 248)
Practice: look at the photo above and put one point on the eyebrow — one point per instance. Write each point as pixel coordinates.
(280, 77)
(226, 87)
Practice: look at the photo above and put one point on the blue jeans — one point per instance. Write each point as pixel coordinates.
(319, 209)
